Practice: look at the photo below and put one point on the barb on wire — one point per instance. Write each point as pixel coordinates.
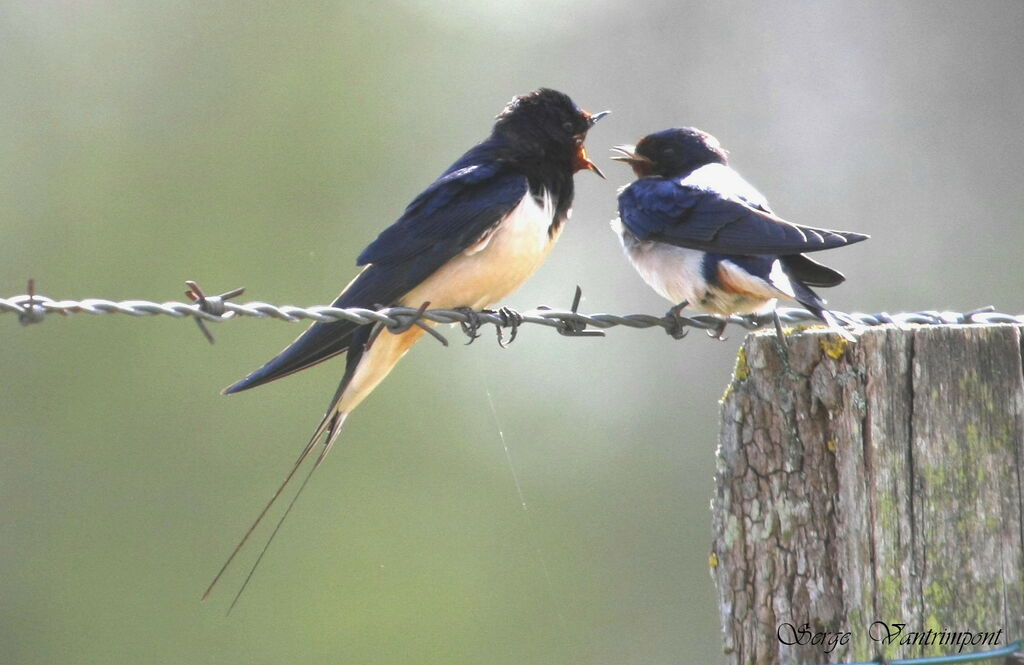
(404, 322)
(33, 308)
(210, 304)
(575, 326)
(31, 311)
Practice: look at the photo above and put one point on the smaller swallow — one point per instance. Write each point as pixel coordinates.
(702, 236)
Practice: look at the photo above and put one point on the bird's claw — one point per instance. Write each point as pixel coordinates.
(510, 319)
(677, 323)
(471, 326)
(716, 332)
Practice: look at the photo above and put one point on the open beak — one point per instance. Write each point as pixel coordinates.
(627, 154)
(582, 161)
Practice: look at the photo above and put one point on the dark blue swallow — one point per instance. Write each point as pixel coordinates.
(471, 238)
(701, 235)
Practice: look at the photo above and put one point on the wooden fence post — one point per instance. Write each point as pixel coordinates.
(863, 486)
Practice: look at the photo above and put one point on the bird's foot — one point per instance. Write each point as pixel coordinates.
(717, 331)
(677, 323)
(471, 326)
(510, 319)
(507, 318)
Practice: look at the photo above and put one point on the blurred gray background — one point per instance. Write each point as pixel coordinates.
(264, 144)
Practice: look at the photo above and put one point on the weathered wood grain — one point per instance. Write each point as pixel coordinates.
(879, 481)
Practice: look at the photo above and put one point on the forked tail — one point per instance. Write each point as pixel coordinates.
(330, 427)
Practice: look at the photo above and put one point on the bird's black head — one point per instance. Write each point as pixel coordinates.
(546, 127)
(671, 152)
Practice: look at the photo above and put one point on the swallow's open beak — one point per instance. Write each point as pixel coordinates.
(591, 119)
(583, 162)
(627, 154)
(642, 166)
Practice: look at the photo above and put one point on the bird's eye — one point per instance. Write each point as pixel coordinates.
(567, 126)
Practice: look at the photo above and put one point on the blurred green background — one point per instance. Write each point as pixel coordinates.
(264, 144)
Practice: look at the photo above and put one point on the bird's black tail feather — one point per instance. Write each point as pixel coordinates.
(811, 273)
(815, 304)
(331, 424)
(320, 341)
(371, 288)
(328, 430)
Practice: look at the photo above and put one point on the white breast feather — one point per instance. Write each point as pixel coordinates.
(675, 273)
(497, 264)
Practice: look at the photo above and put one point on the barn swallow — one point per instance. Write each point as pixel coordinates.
(468, 240)
(701, 235)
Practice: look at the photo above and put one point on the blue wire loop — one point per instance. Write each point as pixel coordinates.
(1008, 650)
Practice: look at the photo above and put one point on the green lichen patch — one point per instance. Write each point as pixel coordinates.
(741, 372)
(833, 346)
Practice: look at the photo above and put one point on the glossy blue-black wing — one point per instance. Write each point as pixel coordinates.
(448, 216)
(666, 211)
(440, 223)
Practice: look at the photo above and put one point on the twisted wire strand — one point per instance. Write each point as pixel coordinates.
(34, 308)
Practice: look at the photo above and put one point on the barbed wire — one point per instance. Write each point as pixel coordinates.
(34, 308)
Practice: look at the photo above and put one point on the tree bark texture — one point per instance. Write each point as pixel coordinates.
(865, 485)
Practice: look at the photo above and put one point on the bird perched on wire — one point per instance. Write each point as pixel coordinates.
(468, 240)
(702, 236)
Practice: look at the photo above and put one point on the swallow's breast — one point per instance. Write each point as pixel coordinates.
(497, 264)
(675, 273)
